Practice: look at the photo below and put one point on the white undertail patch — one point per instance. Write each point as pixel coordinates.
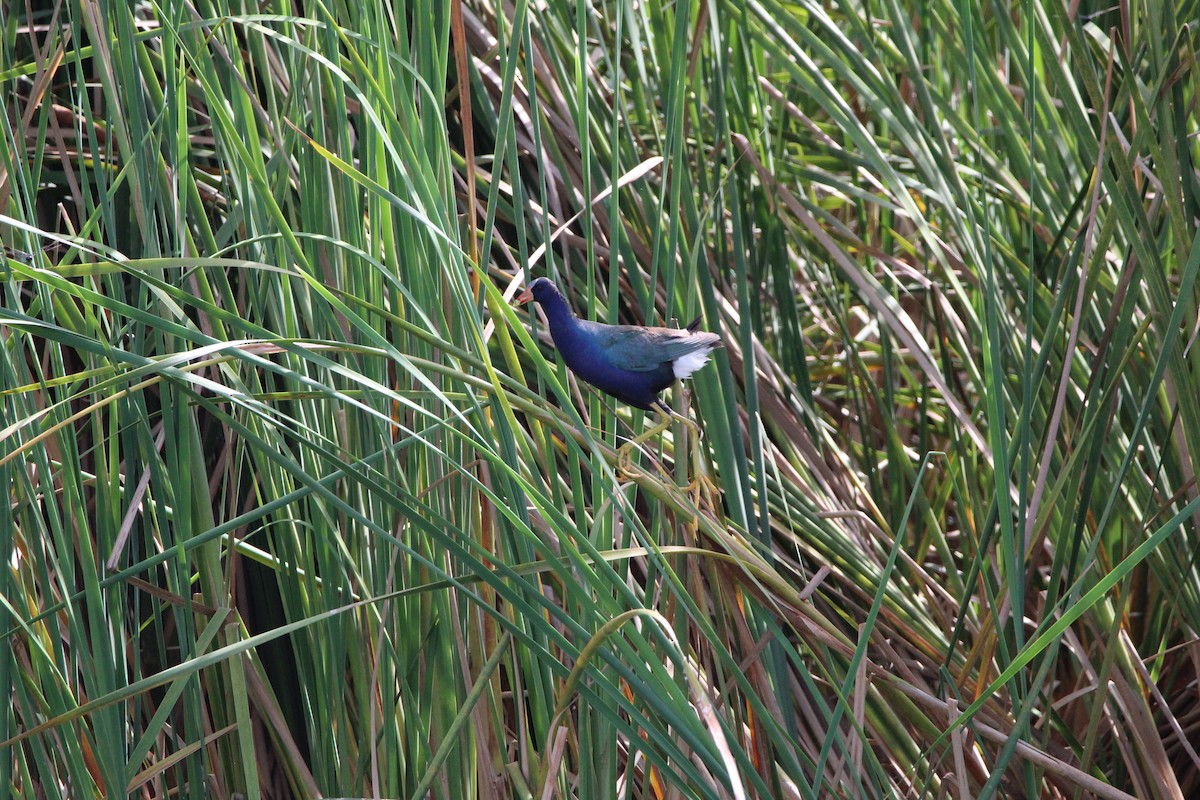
(684, 366)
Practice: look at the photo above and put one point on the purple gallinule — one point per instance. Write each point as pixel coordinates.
(630, 362)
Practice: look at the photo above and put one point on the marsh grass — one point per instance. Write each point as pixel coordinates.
(300, 504)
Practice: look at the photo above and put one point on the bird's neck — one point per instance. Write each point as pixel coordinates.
(558, 313)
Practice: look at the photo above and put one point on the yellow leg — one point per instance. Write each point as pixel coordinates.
(701, 487)
(666, 416)
(625, 452)
(689, 423)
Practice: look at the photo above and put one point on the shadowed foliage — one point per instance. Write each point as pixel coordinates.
(302, 505)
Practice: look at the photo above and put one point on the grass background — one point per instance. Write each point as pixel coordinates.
(300, 505)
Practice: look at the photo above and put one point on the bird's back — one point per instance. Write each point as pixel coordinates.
(641, 349)
(632, 363)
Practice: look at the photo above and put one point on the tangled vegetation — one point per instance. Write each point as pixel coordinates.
(302, 505)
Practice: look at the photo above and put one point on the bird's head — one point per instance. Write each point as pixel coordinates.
(539, 290)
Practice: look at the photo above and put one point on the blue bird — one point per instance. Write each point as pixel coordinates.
(632, 363)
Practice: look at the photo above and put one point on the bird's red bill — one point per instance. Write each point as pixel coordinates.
(524, 297)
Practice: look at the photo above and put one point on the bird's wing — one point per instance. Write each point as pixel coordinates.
(646, 349)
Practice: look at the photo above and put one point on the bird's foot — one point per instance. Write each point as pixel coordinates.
(702, 490)
(624, 462)
(625, 467)
(701, 487)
